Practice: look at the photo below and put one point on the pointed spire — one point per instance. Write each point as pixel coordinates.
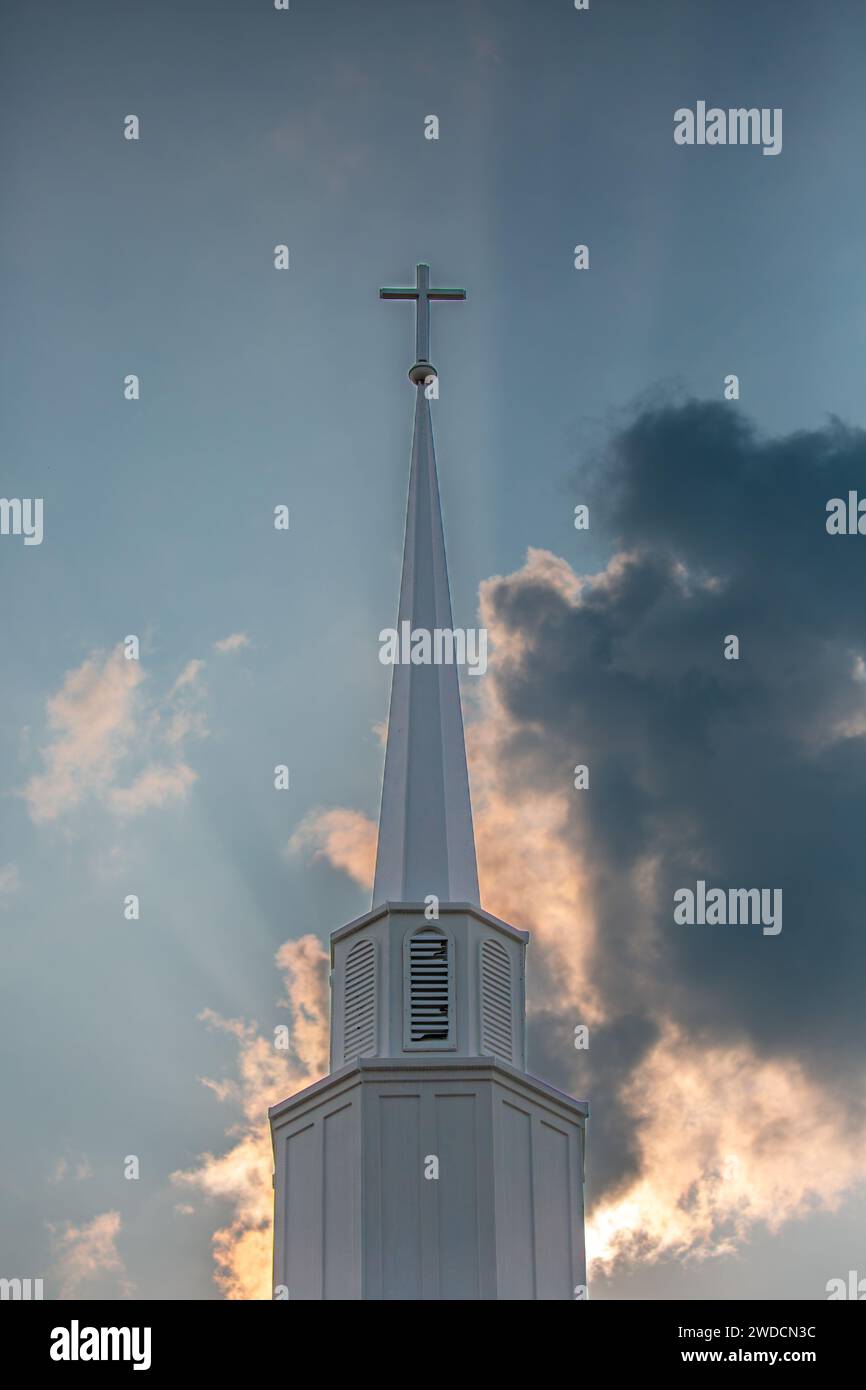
(426, 840)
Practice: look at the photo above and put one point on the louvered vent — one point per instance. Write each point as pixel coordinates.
(429, 988)
(359, 1034)
(496, 1019)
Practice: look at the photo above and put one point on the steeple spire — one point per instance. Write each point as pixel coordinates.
(426, 839)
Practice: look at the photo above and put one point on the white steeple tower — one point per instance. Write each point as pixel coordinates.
(428, 1164)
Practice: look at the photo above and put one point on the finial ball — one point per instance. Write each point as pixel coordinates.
(421, 373)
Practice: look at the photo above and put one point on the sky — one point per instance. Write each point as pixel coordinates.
(725, 1067)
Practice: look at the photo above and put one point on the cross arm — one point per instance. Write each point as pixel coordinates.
(391, 293)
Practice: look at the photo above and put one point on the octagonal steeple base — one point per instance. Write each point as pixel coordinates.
(427, 1178)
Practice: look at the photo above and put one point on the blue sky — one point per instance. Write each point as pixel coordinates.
(260, 387)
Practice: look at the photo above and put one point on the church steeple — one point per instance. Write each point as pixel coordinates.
(426, 839)
(428, 1072)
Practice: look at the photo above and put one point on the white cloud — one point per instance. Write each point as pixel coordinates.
(85, 1252)
(10, 881)
(92, 720)
(347, 839)
(186, 723)
(65, 1168)
(156, 786)
(188, 676)
(233, 643)
(102, 718)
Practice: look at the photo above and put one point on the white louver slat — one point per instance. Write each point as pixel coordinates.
(496, 1008)
(429, 988)
(359, 1031)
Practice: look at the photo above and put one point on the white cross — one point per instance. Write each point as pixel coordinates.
(422, 294)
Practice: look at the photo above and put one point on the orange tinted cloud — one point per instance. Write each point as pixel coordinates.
(346, 839)
(723, 1149)
(98, 719)
(242, 1175)
(86, 1252)
(91, 719)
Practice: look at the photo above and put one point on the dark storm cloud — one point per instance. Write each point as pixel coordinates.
(745, 773)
